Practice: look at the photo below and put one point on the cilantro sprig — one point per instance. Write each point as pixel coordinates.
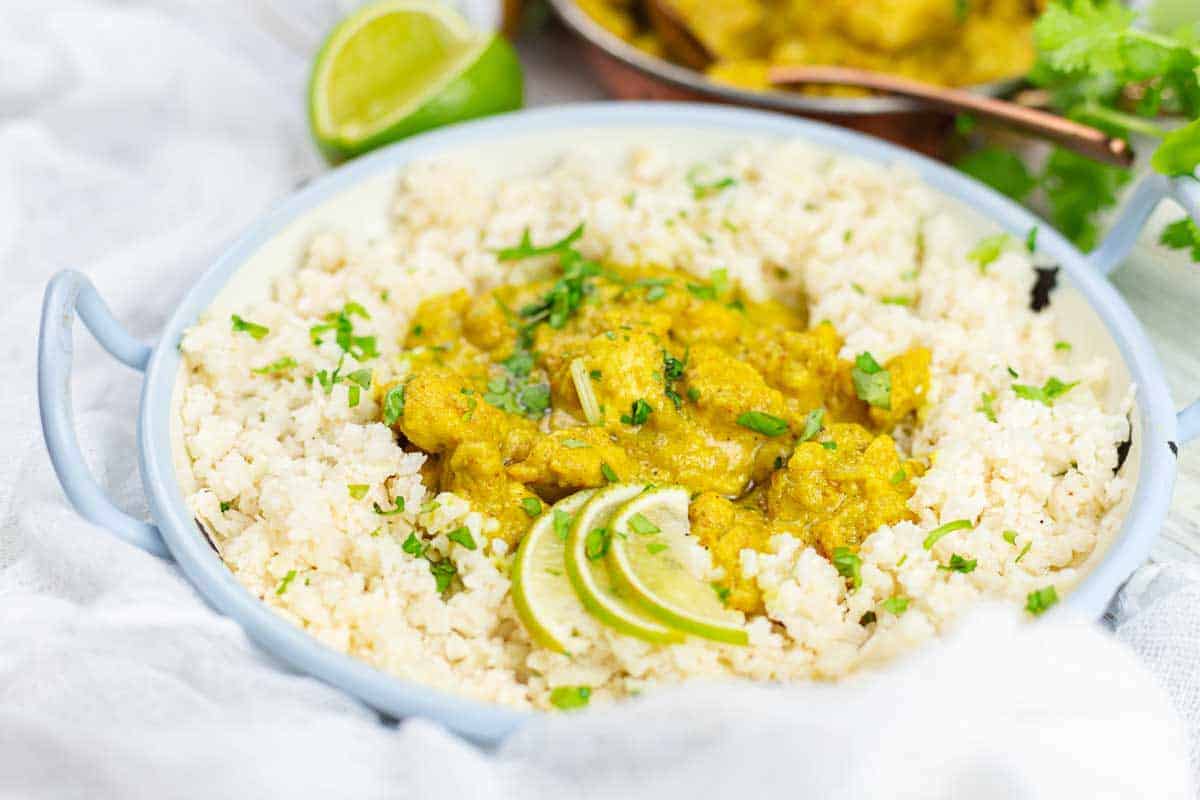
(1102, 64)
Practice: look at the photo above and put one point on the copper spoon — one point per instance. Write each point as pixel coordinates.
(1075, 136)
(683, 44)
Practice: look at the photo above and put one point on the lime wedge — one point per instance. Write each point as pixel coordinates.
(541, 591)
(589, 574)
(651, 548)
(399, 67)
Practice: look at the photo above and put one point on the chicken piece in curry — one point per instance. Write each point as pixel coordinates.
(601, 374)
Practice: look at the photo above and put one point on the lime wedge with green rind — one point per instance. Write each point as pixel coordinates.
(399, 67)
(541, 591)
(648, 560)
(590, 575)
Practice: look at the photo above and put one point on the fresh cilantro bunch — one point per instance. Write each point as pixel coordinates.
(1103, 67)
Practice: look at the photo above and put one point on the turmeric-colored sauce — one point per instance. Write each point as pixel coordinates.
(947, 42)
(607, 374)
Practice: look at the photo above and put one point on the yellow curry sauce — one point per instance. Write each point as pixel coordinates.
(530, 392)
(950, 42)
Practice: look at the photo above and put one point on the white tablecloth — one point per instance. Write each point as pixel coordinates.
(135, 140)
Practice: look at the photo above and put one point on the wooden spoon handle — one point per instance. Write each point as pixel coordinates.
(1082, 139)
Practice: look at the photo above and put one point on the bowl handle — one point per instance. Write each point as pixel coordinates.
(1123, 235)
(68, 293)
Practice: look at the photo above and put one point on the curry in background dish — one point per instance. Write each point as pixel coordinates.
(606, 373)
(946, 42)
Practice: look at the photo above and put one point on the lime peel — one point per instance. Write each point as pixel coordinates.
(651, 569)
(592, 579)
(542, 594)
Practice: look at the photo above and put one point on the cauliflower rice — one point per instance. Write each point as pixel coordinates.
(287, 475)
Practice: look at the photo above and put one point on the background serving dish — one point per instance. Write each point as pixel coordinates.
(628, 73)
(358, 192)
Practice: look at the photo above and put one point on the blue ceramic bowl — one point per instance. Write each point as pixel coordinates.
(1157, 430)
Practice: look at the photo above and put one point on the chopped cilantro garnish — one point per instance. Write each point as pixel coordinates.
(1039, 601)
(279, 365)
(830, 445)
(399, 501)
(1031, 239)
(532, 506)
(655, 293)
(609, 473)
(568, 698)
(414, 546)
(443, 573)
(639, 412)
(1051, 390)
(898, 477)
(718, 284)
(762, 422)
(985, 406)
(949, 527)
(701, 189)
(418, 330)
(526, 248)
(693, 394)
(255, 330)
(359, 379)
(848, 565)
(361, 347)
(654, 548)
(287, 579)
(595, 374)
(639, 524)
(575, 444)
(595, 544)
(988, 250)
(393, 405)
(462, 535)
(872, 383)
(1012, 372)
(960, 564)
(1065, 346)
(673, 369)
(562, 523)
(520, 363)
(1024, 550)
(536, 399)
(358, 490)
(813, 424)
(720, 280)
(895, 605)
(1010, 537)
(722, 593)
(896, 300)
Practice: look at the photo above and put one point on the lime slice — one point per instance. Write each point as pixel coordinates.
(541, 591)
(651, 548)
(399, 67)
(589, 574)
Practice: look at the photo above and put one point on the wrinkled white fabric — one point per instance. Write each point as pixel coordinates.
(136, 139)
